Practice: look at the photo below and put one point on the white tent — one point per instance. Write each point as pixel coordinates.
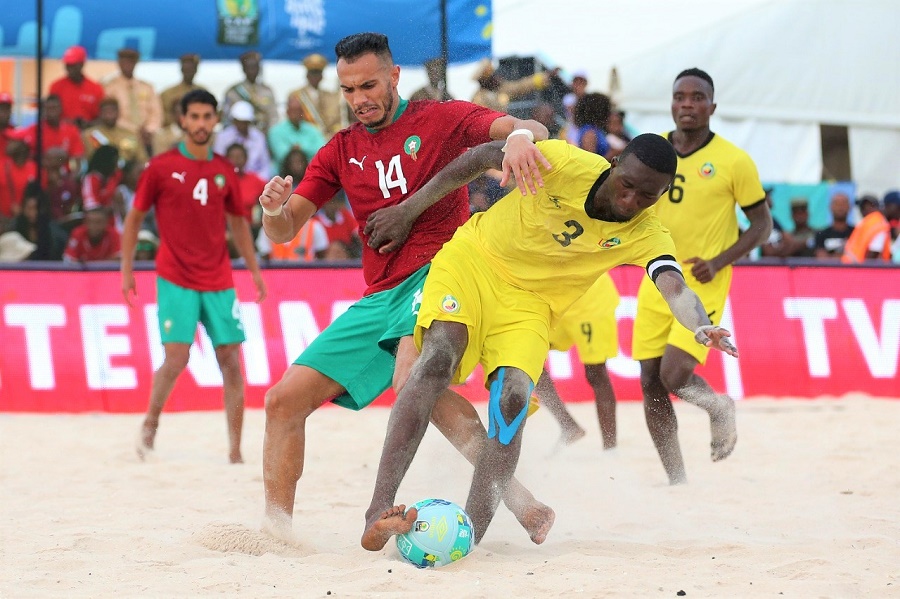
(781, 70)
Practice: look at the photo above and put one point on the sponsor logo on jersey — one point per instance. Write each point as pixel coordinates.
(450, 304)
(220, 181)
(358, 163)
(412, 145)
(609, 243)
(707, 171)
(179, 176)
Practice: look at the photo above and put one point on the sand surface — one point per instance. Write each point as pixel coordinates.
(808, 506)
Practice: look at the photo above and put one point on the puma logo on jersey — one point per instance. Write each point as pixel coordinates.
(358, 163)
(179, 176)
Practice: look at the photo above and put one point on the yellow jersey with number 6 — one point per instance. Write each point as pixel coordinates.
(699, 209)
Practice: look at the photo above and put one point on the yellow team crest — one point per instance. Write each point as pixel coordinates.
(450, 304)
(707, 171)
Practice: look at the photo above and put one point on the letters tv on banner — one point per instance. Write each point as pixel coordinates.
(224, 29)
(68, 343)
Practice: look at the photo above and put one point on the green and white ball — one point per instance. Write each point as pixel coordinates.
(442, 534)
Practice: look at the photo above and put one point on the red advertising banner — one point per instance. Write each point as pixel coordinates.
(68, 343)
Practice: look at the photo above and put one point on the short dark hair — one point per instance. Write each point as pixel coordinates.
(198, 96)
(592, 109)
(236, 146)
(353, 46)
(653, 150)
(699, 73)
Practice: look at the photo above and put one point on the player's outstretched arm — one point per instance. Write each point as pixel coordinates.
(388, 228)
(284, 213)
(688, 309)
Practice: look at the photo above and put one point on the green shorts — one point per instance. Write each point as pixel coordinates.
(180, 310)
(357, 350)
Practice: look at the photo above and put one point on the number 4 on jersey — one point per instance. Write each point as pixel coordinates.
(201, 191)
(393, 178)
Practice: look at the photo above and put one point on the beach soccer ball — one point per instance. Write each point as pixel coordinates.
(441, 534)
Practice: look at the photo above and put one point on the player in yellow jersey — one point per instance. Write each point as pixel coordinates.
(494, 289)
(590, 325)
(713, 177)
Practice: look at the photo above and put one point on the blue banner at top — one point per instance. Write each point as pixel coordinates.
(224, 29)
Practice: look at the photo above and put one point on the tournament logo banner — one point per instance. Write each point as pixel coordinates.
(284, 30)
(238, 22)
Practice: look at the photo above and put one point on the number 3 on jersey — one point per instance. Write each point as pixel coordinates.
(392, 178)
(201, 191)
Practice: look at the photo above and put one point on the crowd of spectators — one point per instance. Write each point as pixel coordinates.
(97, 136)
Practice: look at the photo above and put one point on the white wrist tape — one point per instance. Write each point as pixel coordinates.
(272, 212)
(525, 132)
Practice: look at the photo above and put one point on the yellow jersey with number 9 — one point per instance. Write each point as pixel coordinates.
(547, 243)
(699, 209)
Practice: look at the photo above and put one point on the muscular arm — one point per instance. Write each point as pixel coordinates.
(689, 311)
(296, 210)
(505, 125)
(129, 242)
(760, 227)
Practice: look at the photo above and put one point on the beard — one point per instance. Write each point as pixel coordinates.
(388, 114)
(200, 136)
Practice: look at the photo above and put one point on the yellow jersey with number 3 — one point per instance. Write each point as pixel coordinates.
(547, 243)
(699, 209)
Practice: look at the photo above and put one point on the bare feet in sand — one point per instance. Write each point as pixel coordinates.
(537, 521)
(235, 457)
(723, 429)
(388, 523)
(571, 435)
(144, 444)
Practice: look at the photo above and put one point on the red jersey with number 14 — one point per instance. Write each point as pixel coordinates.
(383, 168)
(191, 198)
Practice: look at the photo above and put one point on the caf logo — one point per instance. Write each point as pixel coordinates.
(450, 304)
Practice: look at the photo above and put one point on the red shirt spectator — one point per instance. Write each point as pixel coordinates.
(16, 171)
(6, 127)
(98, 188)
(80, 97)
(250, 185)
(95, 240)
(56, 133)
(342, 228)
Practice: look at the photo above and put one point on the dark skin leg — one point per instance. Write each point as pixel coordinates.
(674, 373)
(661, 421)
(605, 400)
(550, 399)
(456, 418)
(497, 462)
(442, 348)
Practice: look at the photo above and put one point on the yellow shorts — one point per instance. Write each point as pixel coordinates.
(507, 325)
(655, 327)
(590, 324)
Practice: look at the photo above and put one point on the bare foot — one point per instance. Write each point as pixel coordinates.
(235, 457)
(144, 444)
(570, 436)
(278, 525)
(390, 522)
(723, 428)
(537, 520)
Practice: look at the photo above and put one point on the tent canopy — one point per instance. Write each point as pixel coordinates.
(781, 70)
(224, 29)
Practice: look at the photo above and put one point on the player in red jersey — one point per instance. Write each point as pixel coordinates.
(394, 149)
(194, 192)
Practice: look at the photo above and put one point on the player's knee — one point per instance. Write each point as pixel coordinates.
(513, 401)
(176, 361)
(282, 406)
(674, 377)
(437, 364)
(651, 385)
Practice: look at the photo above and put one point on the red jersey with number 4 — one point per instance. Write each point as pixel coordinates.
(191, 198)
(383, 168)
